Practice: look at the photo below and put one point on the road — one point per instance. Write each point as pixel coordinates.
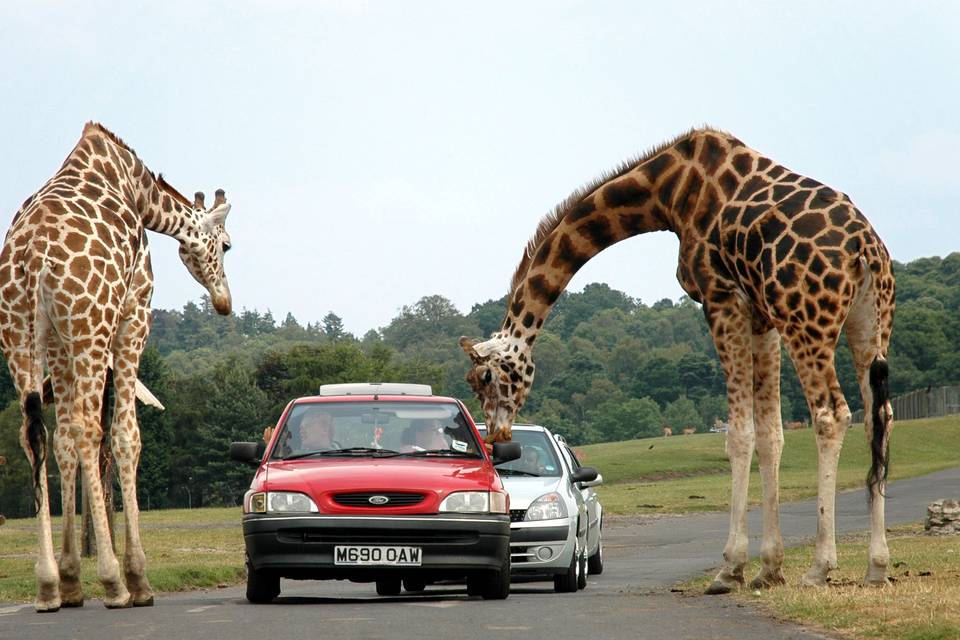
(631, 599)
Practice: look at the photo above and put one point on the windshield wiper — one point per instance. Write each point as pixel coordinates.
(440, 452)
(517, 472)
(380, 453)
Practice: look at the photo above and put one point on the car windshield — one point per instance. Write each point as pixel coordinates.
(537, 458)
(375, 429)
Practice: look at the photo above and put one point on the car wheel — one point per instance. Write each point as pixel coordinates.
(388, 587)
(595, 563)
(262, 586)
(414, 584)
(582, 572)
(491, 585)
(566, 582)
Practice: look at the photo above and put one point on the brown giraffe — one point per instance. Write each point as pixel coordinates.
(75, 289)
(770, 255)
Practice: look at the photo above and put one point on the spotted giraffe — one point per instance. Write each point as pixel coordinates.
(772, 256)
(75, 290)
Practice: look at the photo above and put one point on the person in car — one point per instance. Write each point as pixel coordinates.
(423, 435)
(316, 431)
(530, 461)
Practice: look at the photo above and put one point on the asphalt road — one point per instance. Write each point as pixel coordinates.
(631, 599)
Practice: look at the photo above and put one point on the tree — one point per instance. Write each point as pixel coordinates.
(635, 418)
(333, 327)
(682, 413)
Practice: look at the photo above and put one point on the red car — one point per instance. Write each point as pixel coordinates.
(382, 483)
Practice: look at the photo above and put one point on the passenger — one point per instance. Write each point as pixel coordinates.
(424, 435)
(316, 431)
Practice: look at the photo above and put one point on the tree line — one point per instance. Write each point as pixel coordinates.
(609, 367)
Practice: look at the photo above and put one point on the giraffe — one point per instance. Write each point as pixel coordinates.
(75, 290)
(771, 256)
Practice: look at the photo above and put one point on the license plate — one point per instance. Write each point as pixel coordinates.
(369, 555)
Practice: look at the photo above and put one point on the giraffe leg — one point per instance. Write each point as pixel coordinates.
(831, 417)
(126, 448)
(861, 331)
(732, 335)
(87, 412)
(766, 410)
(65, 449)
(26, 374)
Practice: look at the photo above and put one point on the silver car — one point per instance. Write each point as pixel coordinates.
(556, 520)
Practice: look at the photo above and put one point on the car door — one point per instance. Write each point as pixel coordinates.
(590, 500)
(571, 463)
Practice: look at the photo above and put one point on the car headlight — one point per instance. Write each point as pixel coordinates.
(279, 502)
(547, 507)
(475, 502)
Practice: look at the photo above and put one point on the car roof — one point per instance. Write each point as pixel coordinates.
(374, 398)
(521, 427)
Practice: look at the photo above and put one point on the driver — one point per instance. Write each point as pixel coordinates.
(424, 435)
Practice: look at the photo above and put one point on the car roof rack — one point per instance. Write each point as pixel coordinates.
(376, 388)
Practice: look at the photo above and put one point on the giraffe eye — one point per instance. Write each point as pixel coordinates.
(226, 247)
(487, 376)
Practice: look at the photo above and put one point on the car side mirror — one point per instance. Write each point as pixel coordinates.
(505, 452)
(247, 452)
(584, 475)
(596, 482)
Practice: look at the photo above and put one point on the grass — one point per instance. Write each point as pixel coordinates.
(922, 603)
(186, 549)
(683, 474)
(194, 548)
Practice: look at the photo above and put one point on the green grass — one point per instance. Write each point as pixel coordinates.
(659, 475)
(192, 548)
(922, 603)
(186, 549)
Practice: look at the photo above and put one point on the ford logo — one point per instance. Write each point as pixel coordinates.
(378, 500)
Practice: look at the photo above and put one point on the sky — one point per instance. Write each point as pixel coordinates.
(378, 152)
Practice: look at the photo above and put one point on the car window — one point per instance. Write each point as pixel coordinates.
(538, 457)
(371, 427)
(574, 461)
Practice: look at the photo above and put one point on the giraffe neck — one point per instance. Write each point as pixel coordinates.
(114, 176)
(680, 187)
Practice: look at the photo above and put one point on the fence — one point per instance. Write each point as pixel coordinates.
(931, 402)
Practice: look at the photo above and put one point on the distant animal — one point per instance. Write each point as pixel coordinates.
(667, 431)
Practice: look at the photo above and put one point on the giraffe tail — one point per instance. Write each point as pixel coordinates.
(879, 452)
(36, 439)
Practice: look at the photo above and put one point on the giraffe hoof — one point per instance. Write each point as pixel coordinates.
(72, 604)
(718, 588)
(47, 608)
(143, 602)
(125, 603)
(813, 580)
(766, 581)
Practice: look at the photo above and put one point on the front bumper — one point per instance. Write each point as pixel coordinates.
(301, 546)
(530, 542)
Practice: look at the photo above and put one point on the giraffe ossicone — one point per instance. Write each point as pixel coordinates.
(75, 290)
(773, 257)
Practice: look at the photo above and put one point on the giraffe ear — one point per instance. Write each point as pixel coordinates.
(467, 345)
(216, 216)
(484, 349)
(198, 200)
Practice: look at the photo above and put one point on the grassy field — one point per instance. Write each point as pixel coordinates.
(203, 547)
(922, 603)
(691, 473)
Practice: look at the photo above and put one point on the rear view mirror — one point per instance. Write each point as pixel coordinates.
(505, 452)
(247, 452)
(593, 483)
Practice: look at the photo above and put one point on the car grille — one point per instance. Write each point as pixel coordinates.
(363, 499)
(517, 515)
(347, 535)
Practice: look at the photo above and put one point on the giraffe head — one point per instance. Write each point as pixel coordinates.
(501, 376)
(203, 252)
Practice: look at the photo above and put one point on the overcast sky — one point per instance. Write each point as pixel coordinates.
(378, 152)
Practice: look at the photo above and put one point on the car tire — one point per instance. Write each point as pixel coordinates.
(262, 586)
(582, 574)
(595, 562)
(491, 585)
(415, 585)
(388, 587)
(566, 582)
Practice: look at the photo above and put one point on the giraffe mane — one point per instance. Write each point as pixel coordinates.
(553, 219)
(96, 127)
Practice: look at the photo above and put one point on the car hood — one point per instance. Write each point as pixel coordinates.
(524, 490)
(434, 478)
